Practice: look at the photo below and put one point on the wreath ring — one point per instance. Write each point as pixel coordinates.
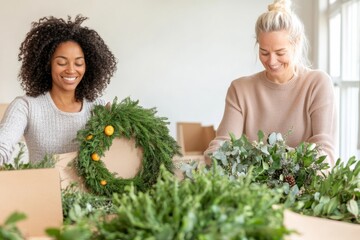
(125, 119)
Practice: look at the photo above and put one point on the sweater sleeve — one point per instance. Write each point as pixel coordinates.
(323, 117)
(232, 121)
(12, 128)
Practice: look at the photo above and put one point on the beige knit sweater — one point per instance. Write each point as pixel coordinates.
(304, 105)
(46, 129)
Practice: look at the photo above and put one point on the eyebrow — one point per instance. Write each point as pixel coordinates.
(66, 58)
(279, 50)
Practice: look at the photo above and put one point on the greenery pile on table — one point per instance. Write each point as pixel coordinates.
(208, 206)
(242, 195)
(310, 187)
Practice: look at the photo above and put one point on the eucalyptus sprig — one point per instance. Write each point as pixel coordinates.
(273, 161)
(337, 196)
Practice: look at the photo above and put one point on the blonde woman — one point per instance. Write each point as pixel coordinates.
(286, 95)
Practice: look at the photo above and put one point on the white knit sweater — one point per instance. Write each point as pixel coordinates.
(46, 129)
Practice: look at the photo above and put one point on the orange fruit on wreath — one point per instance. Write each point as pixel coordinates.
(109, 130)
(95, 157)
(103, 182)
(89, 137)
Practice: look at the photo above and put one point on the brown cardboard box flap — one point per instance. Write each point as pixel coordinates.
(68, 175)
(34, 192)
(123, 158)
(193, 138)
(315, 228)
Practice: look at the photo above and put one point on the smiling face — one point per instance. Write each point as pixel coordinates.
(67, 67)
(277, 54)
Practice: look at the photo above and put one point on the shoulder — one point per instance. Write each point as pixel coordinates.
(89, 105)
(317, 77)
(99, 101)
(244, 87)
(23, 105)
(246, 81)
(27, 101)
(318, 84)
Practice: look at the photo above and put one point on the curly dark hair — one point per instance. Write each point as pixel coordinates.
(40, 44)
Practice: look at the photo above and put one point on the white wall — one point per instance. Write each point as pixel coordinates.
(176, 55)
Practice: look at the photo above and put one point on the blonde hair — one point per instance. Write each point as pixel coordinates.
(280, 17)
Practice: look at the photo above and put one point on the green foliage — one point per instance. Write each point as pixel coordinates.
(240, 196)
(334, 194)
(82, 212)
(337, 196)
(77, 204)
(47, 162)
(210, 206)
(130, 121)
(9, 230)
(272, 160)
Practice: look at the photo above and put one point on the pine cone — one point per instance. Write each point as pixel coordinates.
(290, 180)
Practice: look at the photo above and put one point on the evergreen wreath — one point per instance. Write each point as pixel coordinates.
(125, 119)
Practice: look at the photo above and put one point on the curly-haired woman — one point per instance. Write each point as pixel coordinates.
(65, 68)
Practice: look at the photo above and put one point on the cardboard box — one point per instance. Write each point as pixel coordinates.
(37, 194)
(123, 158)
(65, 165)
(3, 107)
(315, 228)
(193, 138)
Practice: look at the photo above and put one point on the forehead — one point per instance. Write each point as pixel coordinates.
(69, 48)
(274, 40)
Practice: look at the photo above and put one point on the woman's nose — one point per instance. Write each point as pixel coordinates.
(272, 59)
(70, 68)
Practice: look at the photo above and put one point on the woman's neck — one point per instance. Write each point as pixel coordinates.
(66, 103)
